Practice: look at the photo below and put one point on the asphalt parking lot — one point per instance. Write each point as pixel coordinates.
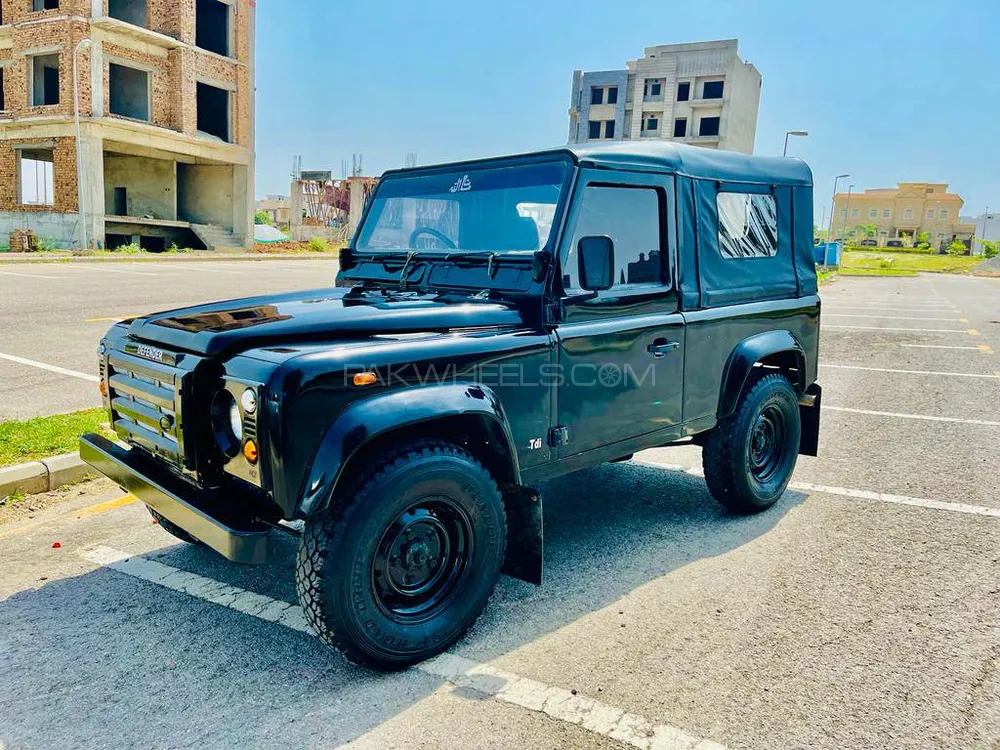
(863, 611)
(56, 313)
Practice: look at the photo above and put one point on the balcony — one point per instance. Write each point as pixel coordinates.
(133, 33)
(706, 103)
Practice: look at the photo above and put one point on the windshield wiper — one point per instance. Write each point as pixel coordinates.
(491, 257)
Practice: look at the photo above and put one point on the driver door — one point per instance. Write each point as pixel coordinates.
(621, 350)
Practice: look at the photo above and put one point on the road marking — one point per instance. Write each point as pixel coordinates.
(504, 687)
(939, 346)
(973, 332)
(50, 368)
(104, 507)
(915, 330)
(911, 372)
(924, 417)
(891, 309)
(882, 497)
(28, 275)
(109, 320)
(890, 317)
(985, 348)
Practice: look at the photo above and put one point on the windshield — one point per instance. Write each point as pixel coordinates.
(490, 210)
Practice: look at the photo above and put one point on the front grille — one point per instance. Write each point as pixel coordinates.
(145, 404)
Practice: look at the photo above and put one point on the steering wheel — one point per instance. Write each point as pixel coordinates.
(433, 233)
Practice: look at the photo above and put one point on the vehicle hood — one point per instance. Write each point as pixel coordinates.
(321, 314)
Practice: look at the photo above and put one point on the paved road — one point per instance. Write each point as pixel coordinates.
(861, 612)
(55, 314)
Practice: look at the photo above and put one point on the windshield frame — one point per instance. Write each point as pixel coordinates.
(558, 219)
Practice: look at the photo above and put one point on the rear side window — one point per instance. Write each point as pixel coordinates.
(748, 225)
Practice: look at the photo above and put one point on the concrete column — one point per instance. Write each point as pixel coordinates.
(93, 175)
(357, 186)
(96, 75)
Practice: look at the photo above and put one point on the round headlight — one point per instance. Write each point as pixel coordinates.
(227, 425)
(236, 421)
(249, 401)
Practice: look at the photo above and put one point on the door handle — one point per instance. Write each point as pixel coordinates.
(661, 348)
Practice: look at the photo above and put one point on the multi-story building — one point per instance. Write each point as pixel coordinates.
(159, 97)
(700, 93)
(987, 226)
(903, 213)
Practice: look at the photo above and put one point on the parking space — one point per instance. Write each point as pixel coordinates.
(57, 313)
(842, 618)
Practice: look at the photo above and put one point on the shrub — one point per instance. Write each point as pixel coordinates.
(132, 249)
(262, 217)
(886, 262)
(990, 248)
(957, 248)
(318, 245)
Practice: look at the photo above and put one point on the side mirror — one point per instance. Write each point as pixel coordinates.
(597, 263)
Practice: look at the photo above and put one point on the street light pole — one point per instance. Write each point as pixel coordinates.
(80, 188)
(799, 133)
(833, 205)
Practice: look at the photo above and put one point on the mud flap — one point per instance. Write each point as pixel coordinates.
(809, 408)
(524, 535)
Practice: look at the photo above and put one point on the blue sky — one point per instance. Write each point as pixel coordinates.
(890, 90)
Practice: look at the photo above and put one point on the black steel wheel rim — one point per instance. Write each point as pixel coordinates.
(421, 560)
(767, 443)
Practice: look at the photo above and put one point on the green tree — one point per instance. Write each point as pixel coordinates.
(991, 248)
(957, 247)
(262, 217)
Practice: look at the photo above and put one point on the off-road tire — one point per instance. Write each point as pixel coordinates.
(337, 575)
(728, 451)
(173, 530)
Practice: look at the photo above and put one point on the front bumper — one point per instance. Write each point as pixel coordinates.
(192, 509)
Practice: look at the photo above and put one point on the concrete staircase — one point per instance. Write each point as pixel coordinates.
(218, 238)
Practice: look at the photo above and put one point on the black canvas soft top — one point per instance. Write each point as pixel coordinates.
(664, 156)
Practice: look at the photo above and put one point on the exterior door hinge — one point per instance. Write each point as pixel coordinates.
(558, 436)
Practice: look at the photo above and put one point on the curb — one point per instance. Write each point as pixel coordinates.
(185, 258)
(45, 475)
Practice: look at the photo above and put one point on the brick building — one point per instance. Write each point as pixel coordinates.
(166, 108)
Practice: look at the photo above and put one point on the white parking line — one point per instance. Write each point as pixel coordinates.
(891, 317)
(505, 687)
(837, 306)
(50, 368)
(940, 346)
(913, 372)
(882, 497)
(915, 330)
(29, 275)
(924, 417)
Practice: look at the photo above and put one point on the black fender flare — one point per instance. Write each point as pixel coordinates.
(378, 415)
(746, 354)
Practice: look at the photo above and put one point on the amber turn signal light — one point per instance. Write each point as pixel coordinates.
(250, 452)
(365, 378)
(103, 388)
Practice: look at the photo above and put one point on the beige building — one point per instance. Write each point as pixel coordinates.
(278, 208)
(700, 93)
(902, 213)
(165, 96)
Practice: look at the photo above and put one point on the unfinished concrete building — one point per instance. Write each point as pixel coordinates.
(165, 97)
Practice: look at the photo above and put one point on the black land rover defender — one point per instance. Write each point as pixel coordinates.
(496, 323)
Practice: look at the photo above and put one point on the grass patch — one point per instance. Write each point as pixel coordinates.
(49, 436)
(875, 272)
(907, 263)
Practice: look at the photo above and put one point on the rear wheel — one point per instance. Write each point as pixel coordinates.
(173, 529)
(749, 457)
(401, 567)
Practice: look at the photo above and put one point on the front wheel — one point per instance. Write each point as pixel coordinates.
(749, 457)
(399, 569)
